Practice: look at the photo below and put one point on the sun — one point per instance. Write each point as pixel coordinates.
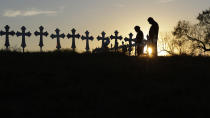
(148, 50)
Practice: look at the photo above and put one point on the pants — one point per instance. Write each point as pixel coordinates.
(155, 49)
(140, 49)
(153, 45)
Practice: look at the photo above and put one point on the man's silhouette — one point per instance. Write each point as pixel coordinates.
(153, 35)
(139, 40)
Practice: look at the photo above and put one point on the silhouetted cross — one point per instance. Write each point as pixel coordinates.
(130, 40)
(105, 40)
(23, 34)
(41, 34)
(116, 37)
(87, 38)
(7, 33)
(58, 36)
(73, 36)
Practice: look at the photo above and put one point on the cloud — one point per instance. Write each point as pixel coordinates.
(32, 12)
(165, 1)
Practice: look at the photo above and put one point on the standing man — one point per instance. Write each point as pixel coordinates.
(139, 40)
(153, 36)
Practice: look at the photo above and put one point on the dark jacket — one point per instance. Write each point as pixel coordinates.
(139, 37)
(153, 32)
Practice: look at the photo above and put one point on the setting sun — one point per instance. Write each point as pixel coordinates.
(149, 51)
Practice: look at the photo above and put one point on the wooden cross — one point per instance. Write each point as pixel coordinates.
(7, 33)
(87, 38)
(41, 34)
(58, 36)
(116, 37)
(73, 36)
(23, 34)
(130, 40)
(105, 40)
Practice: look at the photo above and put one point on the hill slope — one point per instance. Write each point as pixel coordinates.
(72, 85)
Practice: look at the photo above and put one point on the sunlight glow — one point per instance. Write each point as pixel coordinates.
(162, 53)
(145, 50)
(149, 51)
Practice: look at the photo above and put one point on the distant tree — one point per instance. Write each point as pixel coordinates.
(175, 46)
(198, 34)
(204, 17)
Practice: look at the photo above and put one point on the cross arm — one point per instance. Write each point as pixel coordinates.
(28, 34)
(68, 36)
(91, 38)
(12, 33)
(83, 37)
(46, 34)
(18, 34)
(71, 36)
(1, 33)
(99, 38)
(62, 35)
(36, 33)
(112, 37)
(127, 39)
(53, 36)
(77, 36)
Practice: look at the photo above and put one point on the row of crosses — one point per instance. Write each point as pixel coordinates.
(41, 33)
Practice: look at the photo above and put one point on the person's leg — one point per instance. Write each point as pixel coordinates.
(142, 50)
(155, 49)
(138, 50)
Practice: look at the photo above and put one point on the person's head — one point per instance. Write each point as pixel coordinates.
(137, 29)
(151, 20)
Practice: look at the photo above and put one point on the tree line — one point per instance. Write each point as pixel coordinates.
(188, 38)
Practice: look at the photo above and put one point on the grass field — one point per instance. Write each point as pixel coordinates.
(66, 84)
